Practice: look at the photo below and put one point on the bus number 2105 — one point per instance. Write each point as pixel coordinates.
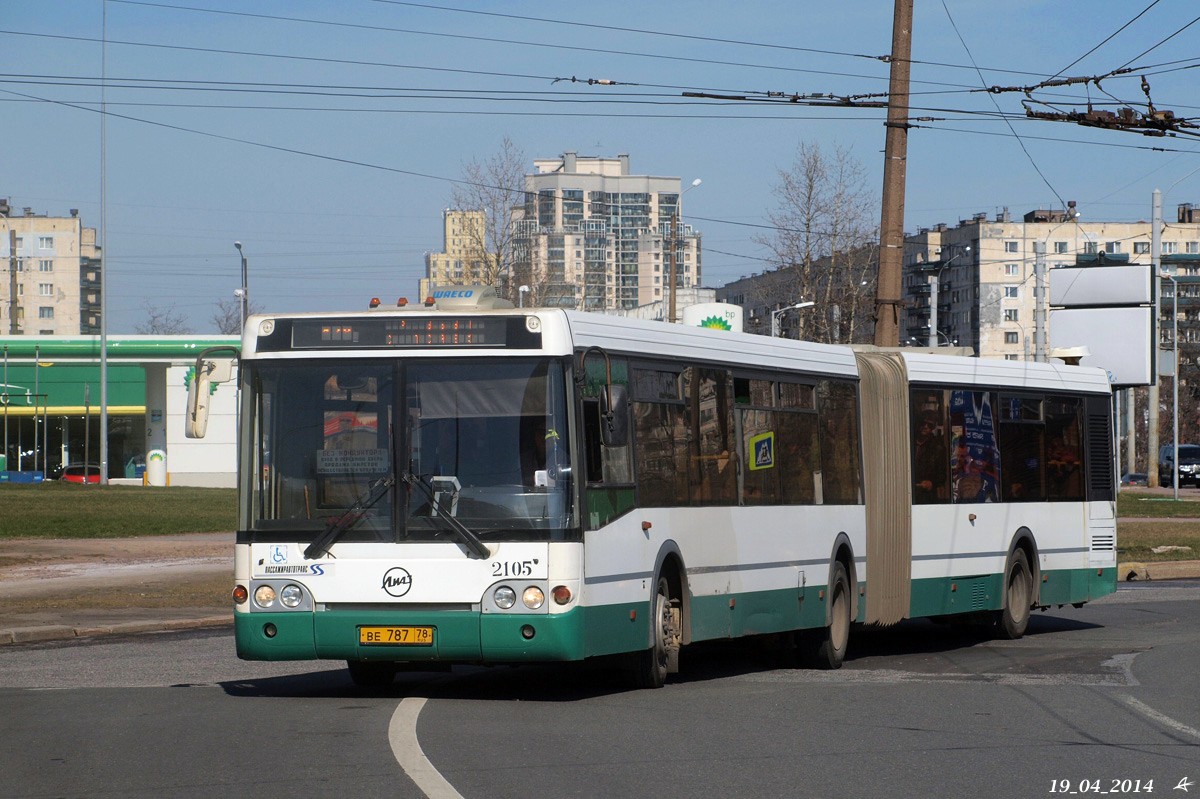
(513, 568)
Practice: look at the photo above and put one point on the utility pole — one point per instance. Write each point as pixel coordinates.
(12, 281)
(1039, 301)
(895, 154)
(1152, 404)
(671, 268)
(934, 288)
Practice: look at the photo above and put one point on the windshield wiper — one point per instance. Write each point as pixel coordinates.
(351, 517)
(476, 547)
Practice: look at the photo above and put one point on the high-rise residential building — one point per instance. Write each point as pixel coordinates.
(52, 286)
(591, 236)
(986, 275)
(464, 259)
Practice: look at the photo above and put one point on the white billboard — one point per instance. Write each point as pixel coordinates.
(1119, 340)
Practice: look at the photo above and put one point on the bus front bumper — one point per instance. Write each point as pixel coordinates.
(458, 636)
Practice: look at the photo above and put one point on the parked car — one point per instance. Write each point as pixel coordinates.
(1189, 464)
(77, 473)
(1134, 479)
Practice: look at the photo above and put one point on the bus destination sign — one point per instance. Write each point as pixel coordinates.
(405, 333)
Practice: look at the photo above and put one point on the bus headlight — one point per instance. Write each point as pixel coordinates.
(533, 597)
(291, 596)
(264, 596)
(504, 597)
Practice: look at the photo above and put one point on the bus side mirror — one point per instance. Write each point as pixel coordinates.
(614, 416)
(200, 393)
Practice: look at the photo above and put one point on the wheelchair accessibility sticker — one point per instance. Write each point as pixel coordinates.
(762, 448)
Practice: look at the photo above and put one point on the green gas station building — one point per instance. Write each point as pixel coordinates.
(50, 407)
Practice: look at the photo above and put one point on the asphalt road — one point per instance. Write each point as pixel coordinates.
(1093, 701)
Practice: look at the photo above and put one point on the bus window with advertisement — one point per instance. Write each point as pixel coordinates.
(465, 482)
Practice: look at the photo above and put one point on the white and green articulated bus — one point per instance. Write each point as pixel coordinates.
(466, 482)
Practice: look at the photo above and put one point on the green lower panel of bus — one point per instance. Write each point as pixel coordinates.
(951, 595)
(611, 629)
(457, 636)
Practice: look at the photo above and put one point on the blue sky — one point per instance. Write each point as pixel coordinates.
(187, 172)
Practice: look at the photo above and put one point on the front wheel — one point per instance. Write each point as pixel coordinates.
(651, 666)
(1018, 597)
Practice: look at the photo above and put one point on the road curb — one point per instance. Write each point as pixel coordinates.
(64, 632)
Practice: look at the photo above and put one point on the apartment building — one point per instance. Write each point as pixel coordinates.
(592, 236)
(985, 272)
(51, 281)
(464, 259)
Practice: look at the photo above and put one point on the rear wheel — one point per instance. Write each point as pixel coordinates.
(1018, 597)
(371, 673)
(827, 647)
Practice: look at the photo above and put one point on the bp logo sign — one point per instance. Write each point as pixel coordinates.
(715, 323)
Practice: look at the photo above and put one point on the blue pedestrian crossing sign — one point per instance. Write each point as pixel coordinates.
(762, 451)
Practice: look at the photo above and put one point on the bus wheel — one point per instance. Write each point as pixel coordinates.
(371, 673)
(651, 666)
(1018, 597)
(830, 649)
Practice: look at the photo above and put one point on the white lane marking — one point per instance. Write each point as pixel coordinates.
(1162, 719)
(402, 735)
(891, 677)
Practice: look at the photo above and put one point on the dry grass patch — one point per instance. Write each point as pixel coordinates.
(208, 592)
(1136, 540)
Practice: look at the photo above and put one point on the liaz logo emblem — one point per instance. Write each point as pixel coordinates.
(396, 582)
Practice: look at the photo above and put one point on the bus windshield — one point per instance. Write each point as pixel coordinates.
(382, 450)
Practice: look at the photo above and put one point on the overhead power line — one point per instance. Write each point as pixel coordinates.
(483, 39)
(1161, 42)
(1012, 130)
(1107, 40)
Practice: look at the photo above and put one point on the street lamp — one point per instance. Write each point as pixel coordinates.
(244, 291)
(776, 314)
(671, 255)
(521, 292)
(936, 336)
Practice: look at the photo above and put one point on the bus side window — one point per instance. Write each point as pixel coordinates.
(660, 430)
(837, 403)
(1064, 449)
(603, 464)
(930, 448)
(712, 464)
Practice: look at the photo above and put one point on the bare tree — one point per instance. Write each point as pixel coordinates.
(162, 321)
(494, 186)
(823, 243)
(228, 315)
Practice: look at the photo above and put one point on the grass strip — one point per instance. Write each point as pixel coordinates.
(65, 510)
(1135, 541)
(1131, 503)
(207, 592)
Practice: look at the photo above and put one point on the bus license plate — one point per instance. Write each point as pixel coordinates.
(395, 636)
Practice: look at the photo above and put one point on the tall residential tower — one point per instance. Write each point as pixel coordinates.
(591, 236)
